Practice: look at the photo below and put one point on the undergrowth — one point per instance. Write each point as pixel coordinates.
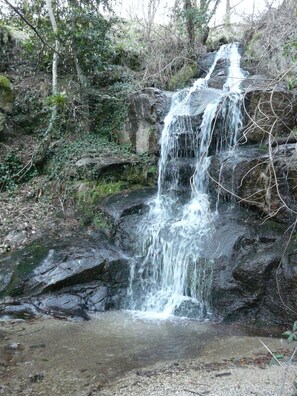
(10, 169)
(61, 164)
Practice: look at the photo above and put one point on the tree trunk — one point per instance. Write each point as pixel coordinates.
(54, 67)
(84, 96)
(40, 153)
(190, 23)
(228, 17)
(82, 79)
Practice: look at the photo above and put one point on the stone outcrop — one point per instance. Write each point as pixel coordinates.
(146, 113)
(126, 211)
(254, 276)
(68, 276)
(8, 44)
(254, 280)
(270, 113)
(252, 177)
(95, 168)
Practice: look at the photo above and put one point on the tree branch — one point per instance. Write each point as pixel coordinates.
(30, 25)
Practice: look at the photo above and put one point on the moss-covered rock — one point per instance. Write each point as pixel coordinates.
(2, 121)
(6, 95)
(31, 110)
(16, 268)
(182, 76)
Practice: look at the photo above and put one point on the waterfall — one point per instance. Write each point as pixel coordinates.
(174, 278)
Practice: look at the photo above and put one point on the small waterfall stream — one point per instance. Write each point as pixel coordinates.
(174, 278)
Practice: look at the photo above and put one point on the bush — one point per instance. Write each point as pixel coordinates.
(10, 170)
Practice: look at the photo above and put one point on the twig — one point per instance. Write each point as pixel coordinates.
(286, 371)
(32, 332)
(196, 393)
(272, 354)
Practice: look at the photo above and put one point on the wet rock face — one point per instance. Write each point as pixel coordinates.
(252, 274)
(254, 278)
(69, 277)
(251, 177)
(127, 211)
(146, 113)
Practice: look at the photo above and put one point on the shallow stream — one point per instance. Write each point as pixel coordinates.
(48, 356)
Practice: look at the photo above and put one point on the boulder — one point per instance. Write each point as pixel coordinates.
(126, 211)
(268, 112)
(123, 204)
(249, 176)
(6, 95)
(6, 100)
(98, 167)
(254, 275)
(74, 274)
(146, 113)
(30, 114)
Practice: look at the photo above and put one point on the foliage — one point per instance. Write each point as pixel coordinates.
(183, 15)
(61, 163)
(85, 51)
(60, 100)
(109, 108)
(10, 169)
(291, 334)
(271, 42)
(90, 193)
(182, 76)
(82, 29)
(291, 83)
(290, 49)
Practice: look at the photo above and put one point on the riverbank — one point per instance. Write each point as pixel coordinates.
(118, 354)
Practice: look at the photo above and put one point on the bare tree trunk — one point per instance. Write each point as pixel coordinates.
(83, 81)
(190, 23)
(253, 14)
(151, 14)
(228, 17)
(84, 96)
(53, 118)
(39, 156)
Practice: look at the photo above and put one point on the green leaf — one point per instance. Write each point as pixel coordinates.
(287, 333)
(279, 356)
(291, 337)
(295, 326)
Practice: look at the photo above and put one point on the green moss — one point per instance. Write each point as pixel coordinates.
(27, 259)
(6, 95)
(182, 77)
(100, 222)
(91, 193)
(5, 83)
(88, 196)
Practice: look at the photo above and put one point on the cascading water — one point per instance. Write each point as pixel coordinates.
(174, 279)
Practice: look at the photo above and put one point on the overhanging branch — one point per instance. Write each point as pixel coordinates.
(30, 25)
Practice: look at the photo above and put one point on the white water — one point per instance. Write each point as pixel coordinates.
(174, 278)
